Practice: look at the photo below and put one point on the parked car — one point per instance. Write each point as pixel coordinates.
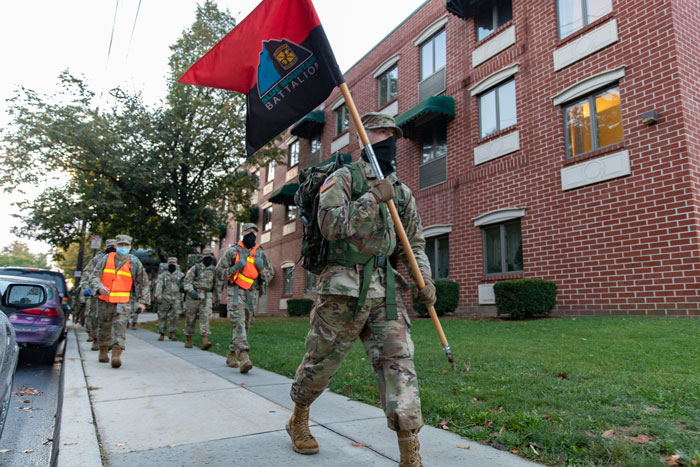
(9, 352)
(34, 308)
(44, 274)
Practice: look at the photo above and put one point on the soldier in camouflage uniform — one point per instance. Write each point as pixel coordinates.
(358, 295)
(201, 285)
(115, 278)
(134, 310)
(167, 295)
(87, 292)
(242, 295)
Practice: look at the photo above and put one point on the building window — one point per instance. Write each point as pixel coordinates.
(432, 55)
(342, 119)
(267, 219)
(433, 167)
(503, 248)
(316, 145)
(491, 15)
(388, 86)
(593, 122)
(497, 108)
(575, 14)
(294, 153)
(309, 282)
(438, 251)
(270, 171)
(288, 274)
(290, 212)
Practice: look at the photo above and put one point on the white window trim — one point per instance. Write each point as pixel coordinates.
(266, 205)
(287, 264)
(291, 140)
(494, 79)
(338, 103)
(498, 216)
(386, 66)
(428, 32)
(437, 230)
(588, 85)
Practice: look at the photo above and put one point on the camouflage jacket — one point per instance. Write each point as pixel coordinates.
(226, 267)
(168, 286)
(202, 279)
(90, 268)
(369, 227)
(141, 284)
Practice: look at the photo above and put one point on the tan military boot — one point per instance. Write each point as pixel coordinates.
(303, 441)
(103, 357)
(232, 360)
(246, 364)
(205, 342)
(171, 336)
(90, 339)
(94, 345)
(409, 448)
(116, 354)
(161, 337)
(188, 342)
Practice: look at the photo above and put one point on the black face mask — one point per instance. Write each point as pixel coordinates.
(110, 250)
(249, 240)
(171, 268)
(207, 260)
(386, 154)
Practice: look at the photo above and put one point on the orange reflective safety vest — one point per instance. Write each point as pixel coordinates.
(118, 282)
(245, 277)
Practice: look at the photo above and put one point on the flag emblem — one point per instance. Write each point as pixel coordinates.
(285, 56)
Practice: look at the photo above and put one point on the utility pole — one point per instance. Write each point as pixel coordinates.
(81, 253)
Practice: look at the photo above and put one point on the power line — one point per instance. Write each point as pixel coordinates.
(111, 37)
(132, 31)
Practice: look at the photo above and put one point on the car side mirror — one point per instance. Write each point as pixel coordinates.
(23, 296)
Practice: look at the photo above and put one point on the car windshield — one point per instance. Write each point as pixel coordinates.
(51, 276)
(4, 283)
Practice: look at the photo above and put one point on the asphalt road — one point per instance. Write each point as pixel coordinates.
(29, 429)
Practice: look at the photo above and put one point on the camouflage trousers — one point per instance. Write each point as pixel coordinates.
(198, 309)
(79, 313)
(387, 343)
(241, 315)
(133, 312)
(168, 311)
(112, 319)
(91, 316)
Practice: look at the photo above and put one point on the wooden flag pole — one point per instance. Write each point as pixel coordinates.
(397, 220)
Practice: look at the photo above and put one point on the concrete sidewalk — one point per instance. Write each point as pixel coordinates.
(168, 405)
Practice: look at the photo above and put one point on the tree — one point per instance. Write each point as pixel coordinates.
(69, 258)
(18, 254)
(164, 175)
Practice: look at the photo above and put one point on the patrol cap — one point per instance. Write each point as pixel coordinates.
(374, 120)
(249, 225)
(123, 239)
(110, 242)
(172, 259)
(207, 251)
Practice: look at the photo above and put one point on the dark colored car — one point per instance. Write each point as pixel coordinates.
(44, 274)
(9, 352)
(34, 308)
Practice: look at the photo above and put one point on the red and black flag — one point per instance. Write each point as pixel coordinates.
(279, 56)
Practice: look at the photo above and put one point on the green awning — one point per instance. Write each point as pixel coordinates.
(284, 194)
(435, 107)
(346, 158)
(311, 125)
(461, 8)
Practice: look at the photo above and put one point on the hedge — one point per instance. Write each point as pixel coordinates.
(447, 299)
(525, 298)
(299, 306)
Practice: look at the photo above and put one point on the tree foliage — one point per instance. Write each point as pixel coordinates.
(166, 175)
(18, 254)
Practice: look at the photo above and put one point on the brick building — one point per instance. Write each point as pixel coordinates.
(557, 139)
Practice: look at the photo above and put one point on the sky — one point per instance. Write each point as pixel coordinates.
(41, 38)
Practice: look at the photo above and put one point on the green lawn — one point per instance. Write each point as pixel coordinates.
(572, 391)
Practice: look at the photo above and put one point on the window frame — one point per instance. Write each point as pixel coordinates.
(495, 15)
(310, 280)
(590, 98)
(434, 270)
(267, 225)
(288, 282)
(431, 41)
(289, 209)
(496, 88)
(341, 126)
(433, 129)
(270, 171)
(585, 18)
(292, 150)
(381, 104)
(484, 252)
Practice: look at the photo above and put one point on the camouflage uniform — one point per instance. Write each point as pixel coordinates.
(336, 320)
(204, 280)
(240, 303)
(133, 306)
(91, 300)
(167, 294)
(112, 318)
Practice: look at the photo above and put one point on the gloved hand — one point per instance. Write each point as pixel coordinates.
(194, 295)
(383, 191)
(426, 295)
(87, 292)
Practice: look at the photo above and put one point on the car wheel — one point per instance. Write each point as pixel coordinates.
(48, 354)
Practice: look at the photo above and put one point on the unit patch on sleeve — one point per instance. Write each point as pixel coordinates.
(330, 181)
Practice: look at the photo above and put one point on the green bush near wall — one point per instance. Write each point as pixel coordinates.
(299, 306)
(525, 298)
(447, 299)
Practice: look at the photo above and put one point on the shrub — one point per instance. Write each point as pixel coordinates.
(447, 299)
(299, 306)
(525, 298)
